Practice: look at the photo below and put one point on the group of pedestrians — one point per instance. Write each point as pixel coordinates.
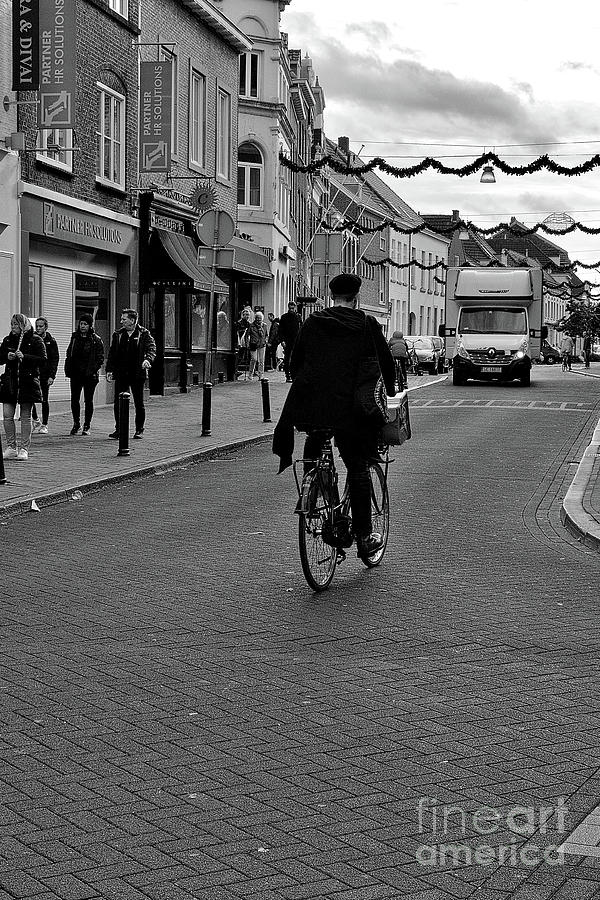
(259, 342)
(31, 358)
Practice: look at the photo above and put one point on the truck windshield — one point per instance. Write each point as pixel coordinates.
(499, 320)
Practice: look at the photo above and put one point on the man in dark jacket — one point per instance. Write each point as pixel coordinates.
(83, 361)
(289, 326)
(324, 368)
(47, 375)
(132, 352)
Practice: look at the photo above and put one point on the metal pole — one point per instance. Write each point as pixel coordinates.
(123, 424)
(266, 400)
(206, 408)
(3, 478)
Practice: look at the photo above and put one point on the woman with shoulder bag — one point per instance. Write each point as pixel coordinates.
(84, 359)
(22, 352)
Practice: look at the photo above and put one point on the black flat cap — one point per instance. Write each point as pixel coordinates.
(345, 285)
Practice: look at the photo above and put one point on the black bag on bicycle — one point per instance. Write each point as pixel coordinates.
(370, 398)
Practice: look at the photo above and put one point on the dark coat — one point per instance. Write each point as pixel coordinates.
(289, 326)
(118, 360)
(398, 346)
(324, 367)
(85, 355)
(21, 380)
(52, 357)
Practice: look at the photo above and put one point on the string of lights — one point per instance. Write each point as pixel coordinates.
(459, 225)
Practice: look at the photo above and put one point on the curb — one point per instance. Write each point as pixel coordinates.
(64, 495)
(576, 520)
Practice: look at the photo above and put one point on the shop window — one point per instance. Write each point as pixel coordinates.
(250, 175)
(223, 322)
(111, 138)
(197, 126)
(223, 135)
(200, 304)
(31, 305)
(53, 140)
(93, 295)
(171, 321)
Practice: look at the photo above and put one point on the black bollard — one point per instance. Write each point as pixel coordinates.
(3, 478)
(123, 424)
(266, 400)
(206, 408)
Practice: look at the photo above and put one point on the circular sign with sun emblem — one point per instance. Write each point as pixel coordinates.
(203, 197)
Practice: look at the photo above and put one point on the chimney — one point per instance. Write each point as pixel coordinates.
(455, 215)
(344, 144)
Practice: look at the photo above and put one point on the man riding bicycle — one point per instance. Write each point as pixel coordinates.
(567, 348)
(324, 367)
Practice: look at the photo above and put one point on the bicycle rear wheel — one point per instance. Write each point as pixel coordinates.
(318, 559)
(380, 513)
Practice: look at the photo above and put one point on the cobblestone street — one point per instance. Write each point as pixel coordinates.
(182, 718)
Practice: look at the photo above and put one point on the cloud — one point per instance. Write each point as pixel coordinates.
(376, 32)
(577, 66)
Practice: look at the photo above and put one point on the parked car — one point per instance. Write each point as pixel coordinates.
(429, 350)
(595, 354)
(549, 354)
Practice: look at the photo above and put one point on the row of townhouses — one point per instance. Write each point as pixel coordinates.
(88, 225)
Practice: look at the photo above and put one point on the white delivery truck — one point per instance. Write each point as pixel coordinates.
(493, 322)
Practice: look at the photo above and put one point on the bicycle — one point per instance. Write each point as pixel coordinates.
(565, 362)
(324, 520)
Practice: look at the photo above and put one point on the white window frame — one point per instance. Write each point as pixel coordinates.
(247, 167)
(120, 99)
(168, 55)
(246, 92)
(223, 136)
(121, 7)
(197, 120)
(62, 159)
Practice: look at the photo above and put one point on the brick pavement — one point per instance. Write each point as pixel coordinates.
(181, 719)
(58, 464)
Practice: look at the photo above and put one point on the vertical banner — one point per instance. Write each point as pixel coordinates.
(57, 55)
(155, 116)
(25, 45)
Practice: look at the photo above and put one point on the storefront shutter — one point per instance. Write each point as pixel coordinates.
(57, 307)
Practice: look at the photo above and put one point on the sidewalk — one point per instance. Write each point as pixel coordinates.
(60, 465)
(581, 507)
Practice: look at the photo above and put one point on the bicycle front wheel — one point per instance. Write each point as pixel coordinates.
(380, 513)
(318, 559)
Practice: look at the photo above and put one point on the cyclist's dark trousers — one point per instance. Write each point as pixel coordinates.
(88, 385)
(45, 405)
(136, 386)
(401, 370)
(355, 451)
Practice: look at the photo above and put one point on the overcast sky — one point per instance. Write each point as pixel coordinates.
(451, 72)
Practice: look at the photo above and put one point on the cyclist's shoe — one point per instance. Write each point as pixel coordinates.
(369, 544)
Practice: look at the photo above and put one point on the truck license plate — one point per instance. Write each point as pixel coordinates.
(491, 370)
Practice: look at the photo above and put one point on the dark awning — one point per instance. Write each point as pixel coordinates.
(248, 258)
(182, 251)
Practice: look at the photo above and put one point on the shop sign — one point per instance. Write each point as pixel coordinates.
(57, 64)
(65, 224)
(25, 45)
(166, 223)
(155, 116)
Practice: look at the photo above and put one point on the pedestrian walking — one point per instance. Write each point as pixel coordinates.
(257, 344)
(289, 326)
(47, 375)
(83, 361)
(399, 351)
(567, 347)
(242, 327)
(132, 352)
(272, 343)
(587, 350)
(22, 353)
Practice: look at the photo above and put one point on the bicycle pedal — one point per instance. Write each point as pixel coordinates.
(341, 556)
